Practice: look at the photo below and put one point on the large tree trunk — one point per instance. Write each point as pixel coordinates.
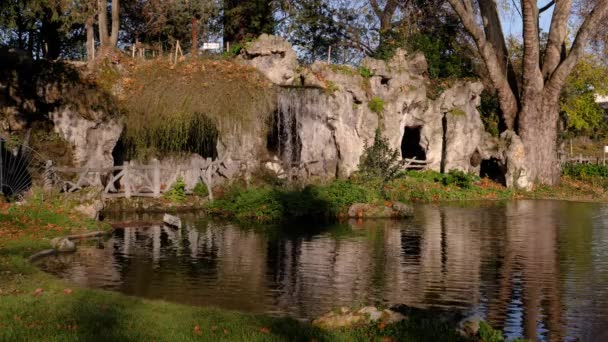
(538, 127)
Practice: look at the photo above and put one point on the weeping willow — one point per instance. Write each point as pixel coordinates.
(185, 109)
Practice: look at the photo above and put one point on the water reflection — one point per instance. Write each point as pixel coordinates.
(537, 269)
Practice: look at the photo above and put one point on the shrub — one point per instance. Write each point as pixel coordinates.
(365, 72)
(376, 105)
(177, 193)
(582, 171)
(200, 190)
(341, 194)
(379, 161)
(459, 178)
(331, 87)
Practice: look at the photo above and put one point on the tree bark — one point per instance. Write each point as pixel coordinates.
(102, 22)
(538, 127)
(90, 38)
(115, 23)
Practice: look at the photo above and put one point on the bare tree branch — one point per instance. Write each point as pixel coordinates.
(508, 101)
(532, 77)
(557, 35)
(547, 6)
(591, 23)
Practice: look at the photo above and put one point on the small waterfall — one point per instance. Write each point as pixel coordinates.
(291, 103)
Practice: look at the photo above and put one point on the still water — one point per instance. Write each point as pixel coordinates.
(537, 269)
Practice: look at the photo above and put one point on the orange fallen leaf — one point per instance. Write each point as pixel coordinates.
(197, 329)
(381, 326)
(265, 330)
(67, 291)
(38, 292)
(225, 332)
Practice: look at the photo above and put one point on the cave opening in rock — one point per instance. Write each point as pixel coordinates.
(410, 144)
(493, 169)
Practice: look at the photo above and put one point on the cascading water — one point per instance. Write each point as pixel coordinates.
(289, 144)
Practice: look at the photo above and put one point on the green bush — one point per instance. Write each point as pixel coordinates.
(177, 193)
(273, 204)
(379, 161)
(376, 105)
(365, 72)
(488, 334)
(200, 190)
(459, 178)
(582, 171)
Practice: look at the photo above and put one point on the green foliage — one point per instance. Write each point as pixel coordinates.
(582, 171)
(342, 69)
(276, 204)
(330, 87)
(489, 110)
(488, 334)
(365, 72)
(177, 193)
(445, 56)
(459, 178)
(577, 102)
(200, 190)
(379, 161)
(376, 105)
(457, 112)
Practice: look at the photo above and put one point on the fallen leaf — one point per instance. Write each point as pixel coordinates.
(67, 291)
(214, 328)
(197, 329)
(265, 330)
(38, 292)
(225, 332)
(381, 326)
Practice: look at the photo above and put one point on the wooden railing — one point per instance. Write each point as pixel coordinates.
(130, 180)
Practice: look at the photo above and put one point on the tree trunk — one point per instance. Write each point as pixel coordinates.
(194, 38)
(90, 39)
(115, 23)
(538, 125)
(102, 22)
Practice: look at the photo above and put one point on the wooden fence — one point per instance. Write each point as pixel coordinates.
(131, 180)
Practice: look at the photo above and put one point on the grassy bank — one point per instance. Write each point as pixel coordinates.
(35, 306)
(273, 202)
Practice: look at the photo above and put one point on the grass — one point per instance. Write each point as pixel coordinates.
(35, 306)
(277, 202)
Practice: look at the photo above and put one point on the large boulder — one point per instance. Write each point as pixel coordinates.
(346, 318)
(273, 56)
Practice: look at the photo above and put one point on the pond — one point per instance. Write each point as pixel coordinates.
(536, 269)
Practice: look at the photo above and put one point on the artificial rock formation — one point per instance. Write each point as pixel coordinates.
(327, 113)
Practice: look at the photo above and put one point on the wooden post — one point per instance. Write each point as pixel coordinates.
(156, 178)
(126, 179)
(133, 51)
(48, 175)
(329, 55)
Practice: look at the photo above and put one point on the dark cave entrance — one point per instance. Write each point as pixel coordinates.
(493, 169)
(410, 144)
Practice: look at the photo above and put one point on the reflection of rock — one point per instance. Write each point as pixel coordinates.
(63, 245)
(344, 317)
(368, 210)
